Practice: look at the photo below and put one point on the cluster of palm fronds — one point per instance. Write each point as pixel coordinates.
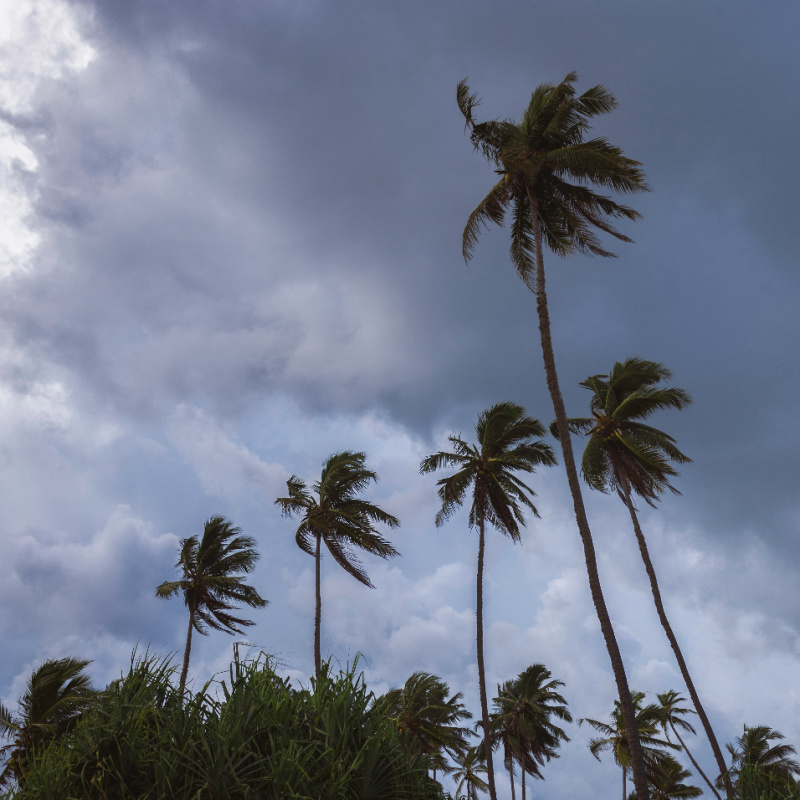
(250, 736)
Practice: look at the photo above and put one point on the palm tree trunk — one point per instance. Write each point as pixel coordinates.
(487, 745)
(511, 775)
(662, 615)
(523, 783)
(639, 776)
(185, 669)
(694, 763)
(623, 783)
(318, 611)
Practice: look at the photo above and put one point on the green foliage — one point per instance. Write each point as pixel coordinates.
(756, 783)
(252, 736)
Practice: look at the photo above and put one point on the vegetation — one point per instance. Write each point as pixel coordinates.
(341, 519)
(547, 168)
(507, 442)
(212, 582)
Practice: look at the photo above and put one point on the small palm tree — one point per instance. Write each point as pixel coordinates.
(546, 168)
(666, 776)
(55, 695)
(429, 718)
(212, 581)
(340, 519)
(507, 442)
(523, 711)
(471, 765)
(754, 748)
(672, 719)
(615, 736)
(626, 455)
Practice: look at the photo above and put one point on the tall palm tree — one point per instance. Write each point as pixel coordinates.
(546, 168)
(615, 736)
(626, 455)
(507, 442)
(340, 519)
(523, 711)
(423, 711)
(471, 765)
(672, 719)
(55, 695)
(754, 748)
(212, 581)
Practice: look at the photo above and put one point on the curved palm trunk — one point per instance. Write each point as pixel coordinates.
(694, 763)
(523, 783)
(318, 611)
(487, 745)
(651, 574)
(511, 775)
(628, 714)
(186, 652)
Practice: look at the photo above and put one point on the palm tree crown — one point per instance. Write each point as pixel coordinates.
(546, 168)
(622, 452)
(55, 695)
(212, 581)
(340, 519)
(755, 748)
(507, 442)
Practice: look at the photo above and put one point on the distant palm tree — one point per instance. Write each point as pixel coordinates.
(626, 455)
(754, 748)
(471, 765)
(55, 695)
(666, 776)
(672, 719)
(340, 519)
(616, 737)
(212, 581)
(547, 168)
(522, 718)
(428, 717)
(507, 442)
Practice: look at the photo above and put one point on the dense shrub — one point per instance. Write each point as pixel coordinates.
(251, 737)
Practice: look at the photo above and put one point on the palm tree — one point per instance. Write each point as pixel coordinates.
(339, 518)
(523, 709)
(536, 159)
(429, 718)
(754, 748)
(666, 780)
(212, 581)
(507, 442)
(471, 764)
(672, 717)
(55, 695)
(615, 736)
(624, 454)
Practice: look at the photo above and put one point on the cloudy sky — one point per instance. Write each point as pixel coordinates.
(230, 246)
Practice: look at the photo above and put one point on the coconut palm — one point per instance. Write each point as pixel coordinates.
(212, 581)
(672, 719)
(471, 765)
(55, 695)
(507, 442)
(522, 720)
(626, 455)
(340, 519)
(429, 718)
(754, 748)
(615, 736)
(546, 169)
(666, 776)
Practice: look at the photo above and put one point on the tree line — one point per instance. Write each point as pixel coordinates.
(549, 178)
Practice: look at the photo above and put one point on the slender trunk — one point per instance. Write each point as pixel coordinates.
(511, 775)
(628, 714)
(487, 745)
(662, 615)
(523, 783)
(694, 763)
(318, 611)
(623, 783)
(185, 669)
